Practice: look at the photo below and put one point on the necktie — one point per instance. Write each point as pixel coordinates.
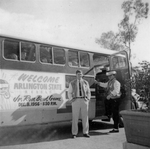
(80, 91)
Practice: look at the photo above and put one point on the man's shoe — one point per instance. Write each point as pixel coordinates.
(74, 136)
(114, 131)
(86, 135)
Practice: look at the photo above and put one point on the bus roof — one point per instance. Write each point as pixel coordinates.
(98, 50)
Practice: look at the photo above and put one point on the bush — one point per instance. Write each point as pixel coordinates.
(141, 82)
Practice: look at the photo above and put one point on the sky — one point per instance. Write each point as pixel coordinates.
(71, 23)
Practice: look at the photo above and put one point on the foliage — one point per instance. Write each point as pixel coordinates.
(111, 41)
(141, 82)
(134, 12)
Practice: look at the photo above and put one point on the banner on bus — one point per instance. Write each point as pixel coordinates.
(25, 89)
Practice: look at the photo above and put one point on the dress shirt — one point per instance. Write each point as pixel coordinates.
(70, 90)
(116, 90)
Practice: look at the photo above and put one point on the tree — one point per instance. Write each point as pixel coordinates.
(111, 41)
(134, 12)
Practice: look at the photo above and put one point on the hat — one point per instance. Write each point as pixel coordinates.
(110, 73)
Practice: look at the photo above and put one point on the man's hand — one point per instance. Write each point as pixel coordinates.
(72, 100)
(108, 97)
(96, 82)
(86, 99)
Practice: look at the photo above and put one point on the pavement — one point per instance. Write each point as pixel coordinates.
(58, 136)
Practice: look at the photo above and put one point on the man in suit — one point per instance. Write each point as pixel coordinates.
(113, 96)
(79, 94)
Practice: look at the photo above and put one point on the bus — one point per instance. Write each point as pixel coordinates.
(35, 76)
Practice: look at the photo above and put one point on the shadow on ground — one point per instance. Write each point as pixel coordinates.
(47, 132)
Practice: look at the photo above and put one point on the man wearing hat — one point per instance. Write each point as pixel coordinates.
(113, 96)
(79, 94)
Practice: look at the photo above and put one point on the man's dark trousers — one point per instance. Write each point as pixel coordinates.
(115, 111)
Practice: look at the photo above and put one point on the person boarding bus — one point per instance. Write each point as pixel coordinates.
(113, 98)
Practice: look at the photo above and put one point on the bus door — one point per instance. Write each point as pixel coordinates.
(100, 93)
(120, 63)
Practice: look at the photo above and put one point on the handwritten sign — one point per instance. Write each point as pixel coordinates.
(25, 89)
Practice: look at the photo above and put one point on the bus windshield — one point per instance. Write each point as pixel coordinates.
(119, 61)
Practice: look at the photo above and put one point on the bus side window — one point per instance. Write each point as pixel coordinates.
(11, 49)
(45, 54)
(84, 59)
(100, 59)
(27, 51)
(59, 56)
(73, 58)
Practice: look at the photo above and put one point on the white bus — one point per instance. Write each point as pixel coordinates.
(34, 78)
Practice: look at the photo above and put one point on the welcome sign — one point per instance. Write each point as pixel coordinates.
(25, 89)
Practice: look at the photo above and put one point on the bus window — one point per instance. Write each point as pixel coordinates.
(11, 49)
(73, 58)
(100, 59)
(119, 61)
(115, 63)
(84, 59)
(27, 51)
(59, 56)
(46, 54)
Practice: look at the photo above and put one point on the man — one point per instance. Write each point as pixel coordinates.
(113, 96)
(79, 94)
(23, 55)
